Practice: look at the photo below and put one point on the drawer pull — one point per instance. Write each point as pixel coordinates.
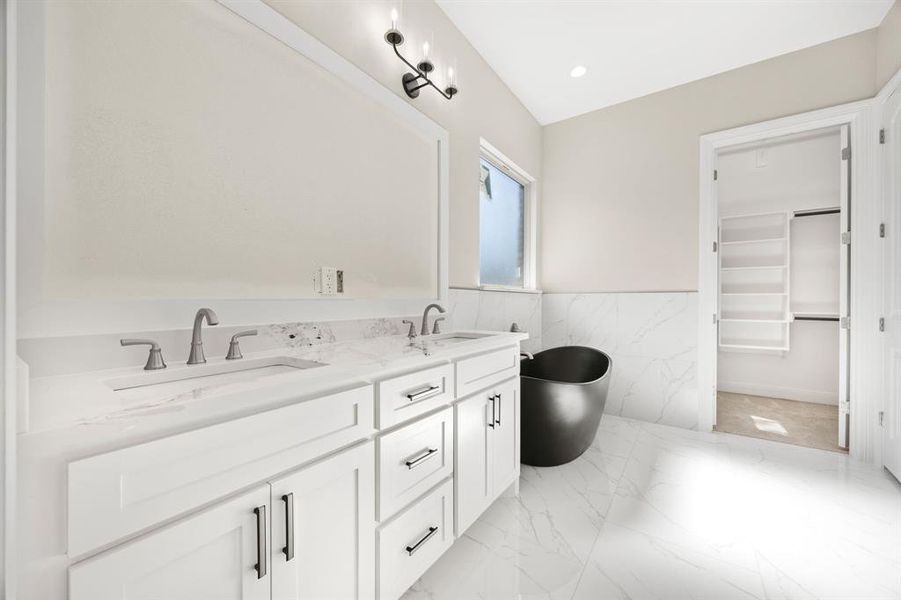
(426, 392)
(289, 526)
(262, 565)
(412, 549)
(500, 409)
(421, 458)
(493, 419)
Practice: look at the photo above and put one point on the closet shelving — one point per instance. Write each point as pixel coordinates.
(754, 277)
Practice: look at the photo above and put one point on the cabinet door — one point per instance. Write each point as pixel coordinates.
(503, 454)
(472, 493)
(323, 529)
(214, 554)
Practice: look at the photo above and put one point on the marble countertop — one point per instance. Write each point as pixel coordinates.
(80, 415)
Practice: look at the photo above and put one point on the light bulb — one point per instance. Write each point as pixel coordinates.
(393, 18)
(425, 50)
(578, 71)
(450, 75)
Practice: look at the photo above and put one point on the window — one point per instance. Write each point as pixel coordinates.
(506, 223)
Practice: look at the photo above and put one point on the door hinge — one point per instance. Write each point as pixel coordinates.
(714, 246)
(715, 175)
(882, 136)
(881, 323)
(845, 322)
(846, 237)
(846, 153)
(882, 230)
(881, 418)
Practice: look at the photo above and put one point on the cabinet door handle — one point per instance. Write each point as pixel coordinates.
(426, 392)
(500, 409)
(412, 549)
(492, 400)
(421, 458)
(289, 526)
(262, 565)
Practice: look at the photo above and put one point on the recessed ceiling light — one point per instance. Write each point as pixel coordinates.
(578, 71)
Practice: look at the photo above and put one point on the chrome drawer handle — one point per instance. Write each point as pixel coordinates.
(422, 458)
(262, 565)
(500, 409)
(289, 526)
(412, 549)
(426, 392)
(493, 419)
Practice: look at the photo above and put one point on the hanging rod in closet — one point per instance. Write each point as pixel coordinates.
(813, 318)
(817, 211)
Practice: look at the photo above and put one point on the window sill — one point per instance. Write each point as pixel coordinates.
(498, 288)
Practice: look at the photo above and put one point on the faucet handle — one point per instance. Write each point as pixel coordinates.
(155, 359)
(234, 350)
(436, 328)
(412, 332)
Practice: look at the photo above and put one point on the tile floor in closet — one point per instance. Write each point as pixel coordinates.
(789, 421)
(656, 512)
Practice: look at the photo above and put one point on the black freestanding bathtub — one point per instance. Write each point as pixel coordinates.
(563, 395)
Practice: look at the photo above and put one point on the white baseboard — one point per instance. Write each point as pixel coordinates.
(773, 391)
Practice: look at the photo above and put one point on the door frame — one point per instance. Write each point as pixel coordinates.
(8, 41)
(892, 86)
(866, 262)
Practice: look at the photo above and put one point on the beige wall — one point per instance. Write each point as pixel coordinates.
(888, 46)
(620, 192)
(485, 107)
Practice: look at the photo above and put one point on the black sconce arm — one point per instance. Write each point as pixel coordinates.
(411, 87)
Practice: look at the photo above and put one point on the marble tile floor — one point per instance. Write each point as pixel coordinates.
(657, 512)
(788, 421)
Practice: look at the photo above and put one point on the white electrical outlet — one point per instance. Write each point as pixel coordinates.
(328, 281)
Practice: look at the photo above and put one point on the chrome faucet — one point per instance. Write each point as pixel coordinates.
(196, 357)
(234, 348)
(436, 328)
(155, 359)
(425, 317)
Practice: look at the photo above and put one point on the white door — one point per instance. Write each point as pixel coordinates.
(219, 554)
(892, 186)
(472, 492)
(844, 405)
(323, 529)
(503, 455)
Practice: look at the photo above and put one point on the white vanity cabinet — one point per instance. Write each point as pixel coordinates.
(487, 449)
(350, 495)
(323, 529)
(308, 535)
(211, 554)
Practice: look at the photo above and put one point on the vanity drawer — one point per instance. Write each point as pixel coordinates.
(412, 459)
(478, 372)
(412, 542)
(408, 396)
(114, 495)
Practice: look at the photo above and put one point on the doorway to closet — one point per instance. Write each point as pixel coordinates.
(783, 282)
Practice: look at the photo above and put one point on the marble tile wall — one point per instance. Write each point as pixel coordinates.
(496, 311)
(652, 338)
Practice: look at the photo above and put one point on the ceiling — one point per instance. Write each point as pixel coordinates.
(634, 48)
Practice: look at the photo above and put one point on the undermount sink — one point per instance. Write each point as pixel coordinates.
(186, 377)
(454, 338)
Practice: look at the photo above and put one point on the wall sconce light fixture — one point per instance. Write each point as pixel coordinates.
(419, 78)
